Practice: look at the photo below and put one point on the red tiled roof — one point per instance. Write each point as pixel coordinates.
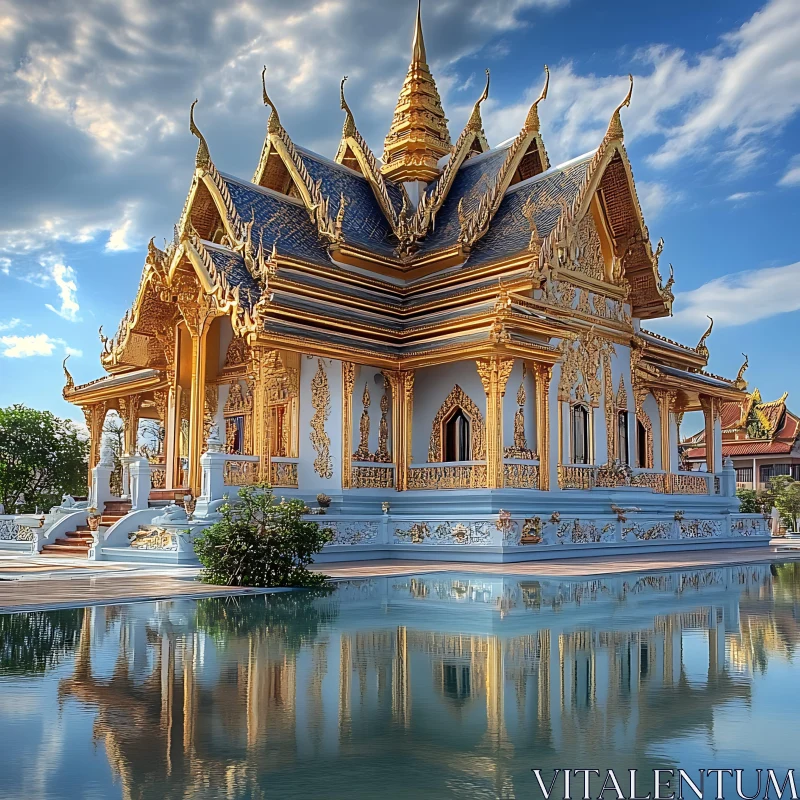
(756, 447)
(730, 414)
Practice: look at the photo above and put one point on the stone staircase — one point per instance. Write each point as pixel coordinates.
(76, 544)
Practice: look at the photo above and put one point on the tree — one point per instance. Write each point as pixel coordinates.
(42, 458)
(38, 640)
(261, 542)
(787, 500)
(748, 501)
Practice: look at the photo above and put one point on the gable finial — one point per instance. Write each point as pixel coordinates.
(615, 130)
(70, 381)
(349, 122)
(203, 157)
(740, 382)
(274, 122)
(532, 120)
(475, 123)
(701, 348)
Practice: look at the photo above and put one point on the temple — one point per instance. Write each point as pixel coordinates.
(762, 440)
(453, 316)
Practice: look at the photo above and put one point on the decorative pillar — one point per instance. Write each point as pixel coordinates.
(710, 412)
(666, 406)
(348, 383)
(259, 375)
(544, 372)
(402, 385)
(95, 416)
(197, 403)
(494, 372)
(129, 412)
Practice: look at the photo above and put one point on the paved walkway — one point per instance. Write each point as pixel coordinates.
(30, 583)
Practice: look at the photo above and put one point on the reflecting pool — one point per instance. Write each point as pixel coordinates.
(430, 686)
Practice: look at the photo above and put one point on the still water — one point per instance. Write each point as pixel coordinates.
(432, 686)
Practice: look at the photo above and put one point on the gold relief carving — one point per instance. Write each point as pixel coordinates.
(348, 384)
(362, 453)
(687, 484)
(239, 401)
(494, 372)
(129, 412)
(210, 412)
(520, 448)
(609, 409)
(458, 399)
(237, 354)
(382, 453)
(576, 477)
(622, 396)
(580, 363)
(402, 386)
(241, 473)
(185, 405)
(283, 475)
(465, 476)
(531, 531)
(321, 403)
(587, 250)
(584, 306)
(657, 481)
(154, 539)
(372, 477)
(639, 395)
(521, 476)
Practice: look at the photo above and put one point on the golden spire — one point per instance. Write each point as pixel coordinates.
(740, 382)
(418, 136)
(203, 157)
(70, 381)
(349, 122)
(274, 122)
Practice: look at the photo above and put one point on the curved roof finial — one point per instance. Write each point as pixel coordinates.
(203, 157)
(475, 121)
(740, 382)
(701, 345)
(70, 381)
(615, 130)
(274, 121)
(418, 45)
(532, 120)
(349, 122)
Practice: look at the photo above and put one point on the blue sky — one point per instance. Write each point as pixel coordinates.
(97, 156)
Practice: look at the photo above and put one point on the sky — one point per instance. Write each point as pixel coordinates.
(97, 156)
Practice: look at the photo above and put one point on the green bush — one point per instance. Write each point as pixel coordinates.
(748, 501)
(261, 542)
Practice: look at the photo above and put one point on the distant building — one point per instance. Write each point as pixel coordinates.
(761, 438)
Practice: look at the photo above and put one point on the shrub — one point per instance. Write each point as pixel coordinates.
(748, 501)
(261, 542)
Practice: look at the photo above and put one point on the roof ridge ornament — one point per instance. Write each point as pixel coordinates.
(70, 381)
(701, 347)
(532, 120)
(475, 122)
(615, 131)
(274, 121)
(740, 382)
(349, 128)
(203, 157)
(418, 54)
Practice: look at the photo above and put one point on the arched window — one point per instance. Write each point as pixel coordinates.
(580, 435)
(641, 444)
(457, 437)
(623, 455)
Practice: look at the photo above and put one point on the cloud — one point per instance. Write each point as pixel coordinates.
(792, 174)
(742, 297)
(738, 197)
(12, 323)
(39, 344)
(655, 196)
(119, 238)
(64, 277)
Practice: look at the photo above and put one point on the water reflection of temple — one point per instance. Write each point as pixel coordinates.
(376, 678)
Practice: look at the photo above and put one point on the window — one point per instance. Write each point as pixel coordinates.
(580, 435)
(622, 437)
(769, 471)
(641, 444)
(457, 437)
(744, 474)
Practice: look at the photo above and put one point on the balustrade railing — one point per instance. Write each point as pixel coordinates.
(447, 476)
(368, 475)
(574, 476)
(283, 473)
(241, 471)
(520, 475)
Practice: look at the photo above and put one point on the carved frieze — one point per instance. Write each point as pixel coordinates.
(321, 403)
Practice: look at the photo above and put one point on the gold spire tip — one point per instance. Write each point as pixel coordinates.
(532, 120)
(418, 45)
(274, 120)
(475, 121)
(203, 157)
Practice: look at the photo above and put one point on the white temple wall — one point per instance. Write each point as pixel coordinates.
(650, 407)
(374, 380)
(308, 476)
(510, 405)
(431, 387)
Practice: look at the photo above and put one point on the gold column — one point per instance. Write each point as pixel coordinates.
(402, 385)
(494, 372)
(259, 374)
(129, 412)
(544, 372)
(197, 404)
(707, 404)
(666, 402)
(348, 382)
(95, 416)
